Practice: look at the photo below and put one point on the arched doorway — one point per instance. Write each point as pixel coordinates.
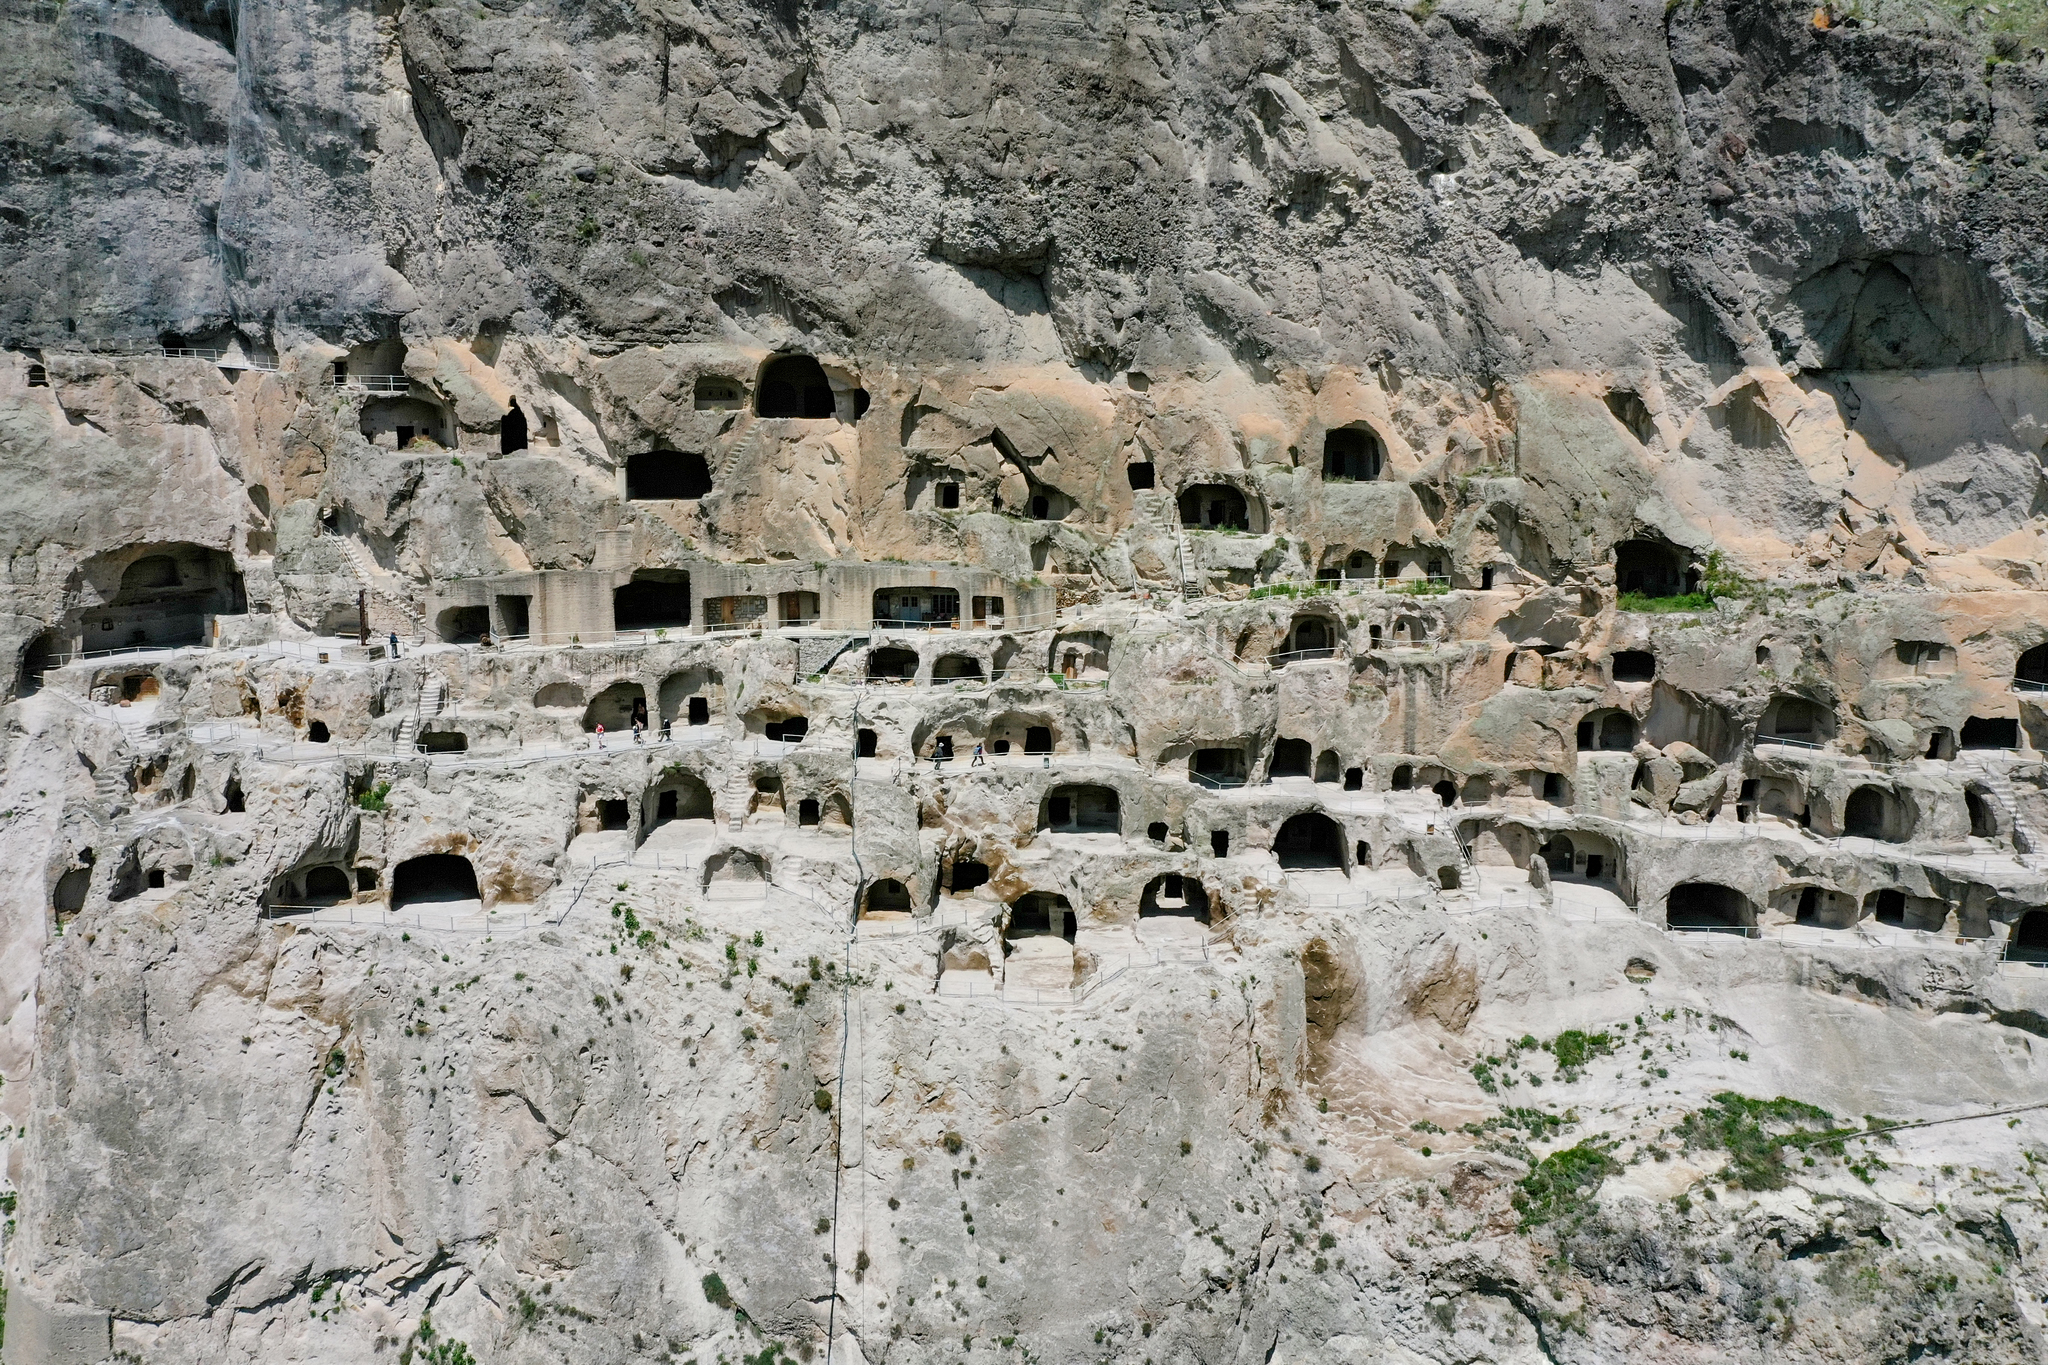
(1214, 507)
(615, 707)
(433, 878)
(328, 885)
(886, 897)
(1651, 568)
(36, 660)
(1311, 637)
(1708, 907)
(678, 796)
(1174, 894)
(1353, 453)
(1290, 758)
(1309, 840)
(559, 696)
(1874, 813)
(794, 386)
(1039, 914)
(892, 664)
(2031, 673)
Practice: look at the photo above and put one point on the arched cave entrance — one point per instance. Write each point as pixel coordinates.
(433, 878)
(1309, 840)
(794, 386)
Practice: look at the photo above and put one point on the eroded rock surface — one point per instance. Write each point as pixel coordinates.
(1273, 683)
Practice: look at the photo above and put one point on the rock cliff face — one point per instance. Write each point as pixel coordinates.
(1235, 683)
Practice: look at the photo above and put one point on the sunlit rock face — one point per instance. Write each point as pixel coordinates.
(1261, 684)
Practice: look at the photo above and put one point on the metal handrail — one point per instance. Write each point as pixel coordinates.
(264, 364)
(396, 919)
(1217, 782)
(1297, 655)
(1789, 743)
(135, 651)
(375, 383)
(1353, 583)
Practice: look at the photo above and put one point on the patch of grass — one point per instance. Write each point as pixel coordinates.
(1683, 602)
(715, 1292)
(373, 799)
(2017, 26)
(1535, 1122)
(1561, 1187)
(1574, 1048)
(1756, 1134)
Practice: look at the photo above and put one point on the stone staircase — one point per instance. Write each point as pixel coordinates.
(1995, 781)
(433, 697)
(110, 788)
(372, 580)
(730, 465)
(738, 795)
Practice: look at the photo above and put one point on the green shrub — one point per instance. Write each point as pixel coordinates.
(1683, 602)
(1561, 1187)
(1573, 1049)
(823, 1099)
(715, 1293)
(373, 799)
(1755, 1134)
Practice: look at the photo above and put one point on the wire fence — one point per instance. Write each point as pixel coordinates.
(361, 916)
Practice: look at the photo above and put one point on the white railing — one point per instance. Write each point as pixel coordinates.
(376, 917)
(1317, 587)
(1789, 742)
(123, 651)
(1850, 936)
(375, 383)
(945, 623)
(263, 363)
